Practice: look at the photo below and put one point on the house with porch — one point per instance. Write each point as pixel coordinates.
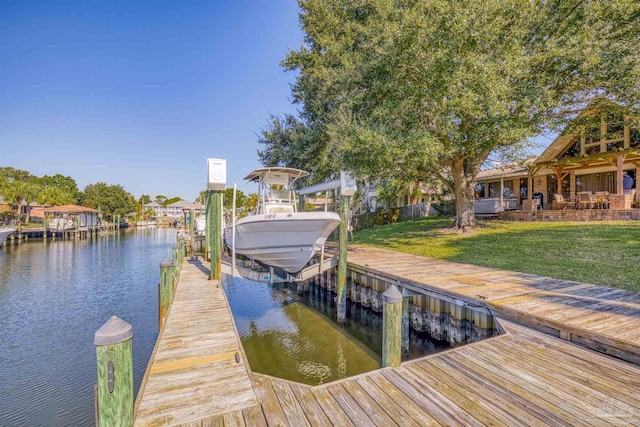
(591, 166)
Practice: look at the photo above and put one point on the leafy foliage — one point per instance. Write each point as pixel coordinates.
(241, 199)
(167, 202)
(416, 91)
(110, 199)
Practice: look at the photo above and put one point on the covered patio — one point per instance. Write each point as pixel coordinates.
(589, 173)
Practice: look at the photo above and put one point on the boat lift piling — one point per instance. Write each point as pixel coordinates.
(233, 233)
(216, 184)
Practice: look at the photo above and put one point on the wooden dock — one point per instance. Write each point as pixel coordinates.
(523, 377)
(197, 369)
(602, 318)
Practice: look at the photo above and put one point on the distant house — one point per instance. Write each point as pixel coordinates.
(175, 210)
(590, 159)
(4, 205)
(157, 208)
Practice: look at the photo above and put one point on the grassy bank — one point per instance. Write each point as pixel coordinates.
(601, 253)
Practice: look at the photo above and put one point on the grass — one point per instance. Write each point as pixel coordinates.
(600, 253)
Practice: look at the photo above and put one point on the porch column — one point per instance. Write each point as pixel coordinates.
(502, 193)
(619, 162)
(572, 186)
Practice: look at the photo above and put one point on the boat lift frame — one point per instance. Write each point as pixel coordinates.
(230, 267)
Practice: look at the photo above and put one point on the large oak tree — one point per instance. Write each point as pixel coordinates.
(429, 88)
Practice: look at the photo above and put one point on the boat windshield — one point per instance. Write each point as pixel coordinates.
(278, 195)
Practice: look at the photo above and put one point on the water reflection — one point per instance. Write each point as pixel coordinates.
(287, 331)
(54, 295)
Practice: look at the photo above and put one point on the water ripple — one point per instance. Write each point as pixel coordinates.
(54, 296)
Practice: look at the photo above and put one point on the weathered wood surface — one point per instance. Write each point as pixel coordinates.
(522, 378)
(602, 318)
(193, 374)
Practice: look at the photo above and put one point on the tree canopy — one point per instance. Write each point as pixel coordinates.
(110, 199)
(423, 90)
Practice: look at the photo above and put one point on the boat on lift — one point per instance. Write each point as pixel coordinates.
(277, 234)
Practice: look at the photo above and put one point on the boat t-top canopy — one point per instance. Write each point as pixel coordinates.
(276, 175)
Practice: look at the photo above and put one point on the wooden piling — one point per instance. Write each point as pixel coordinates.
(192, 236)
(208, 212)
(115, 373)
(177, 262)
(165, 290)
(341, 286)
(392, 327)
(214, 232)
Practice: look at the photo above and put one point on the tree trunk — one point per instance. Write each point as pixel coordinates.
(464, 187)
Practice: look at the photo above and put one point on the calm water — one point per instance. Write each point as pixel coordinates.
(53, 298)
(288, 332)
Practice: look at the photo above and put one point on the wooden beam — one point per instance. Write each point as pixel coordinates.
(619, 164)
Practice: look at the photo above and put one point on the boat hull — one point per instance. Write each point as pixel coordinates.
(6, 232)
(286, 241)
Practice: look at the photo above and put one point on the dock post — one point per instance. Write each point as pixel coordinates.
(44, 226)
(165, 290)
(192, 236)
(183, 247)
(392, 327)
(216, 184)
(177, 262)
(341, 286)
(214, 232)
(115, 373)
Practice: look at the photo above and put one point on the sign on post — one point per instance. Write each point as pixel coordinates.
(216, 174)
(348, 185)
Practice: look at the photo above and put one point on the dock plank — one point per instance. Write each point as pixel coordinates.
(390, 400)
(193, 373)
(522, 377)
(271, 407)
(602, 318)
(331, 408)
(311, 407)
(349, 405)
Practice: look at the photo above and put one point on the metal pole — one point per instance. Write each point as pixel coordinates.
(233, 232)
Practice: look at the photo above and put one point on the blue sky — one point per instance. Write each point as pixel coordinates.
(141, 93)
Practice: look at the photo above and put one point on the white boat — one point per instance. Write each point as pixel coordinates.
(5, 232)
(277, 234)
(61, 224)
(200, 225)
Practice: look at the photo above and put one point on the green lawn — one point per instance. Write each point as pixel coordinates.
(601, 253)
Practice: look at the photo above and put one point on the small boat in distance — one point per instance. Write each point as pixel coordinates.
(6, 231)
(277, 234)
